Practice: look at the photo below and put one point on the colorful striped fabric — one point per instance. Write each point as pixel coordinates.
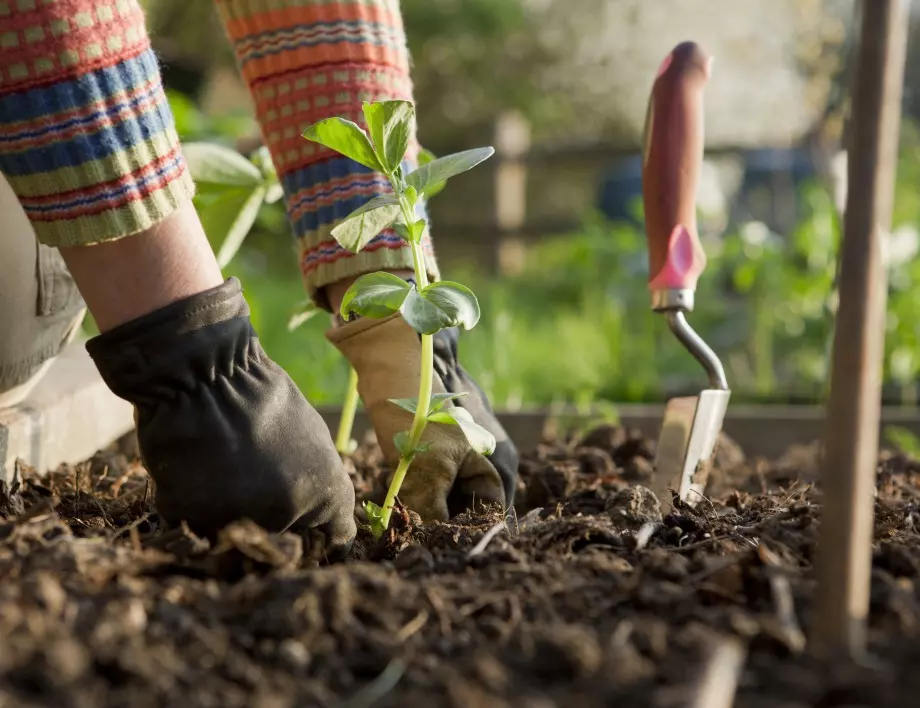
(305, 60)
(87, 139)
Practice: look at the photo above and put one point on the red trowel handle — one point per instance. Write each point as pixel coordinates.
(673, 154)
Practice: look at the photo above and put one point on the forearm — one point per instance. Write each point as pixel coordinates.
(305, 60)
(86, 136)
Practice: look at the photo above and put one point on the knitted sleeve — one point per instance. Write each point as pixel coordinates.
(86, 136)
(305, 60)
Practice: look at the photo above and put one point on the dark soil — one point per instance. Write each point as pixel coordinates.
(587, 598)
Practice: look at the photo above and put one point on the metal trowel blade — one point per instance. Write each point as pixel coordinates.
(689, 432)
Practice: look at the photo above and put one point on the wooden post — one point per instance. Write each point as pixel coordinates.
(844, 557)
(512, 142)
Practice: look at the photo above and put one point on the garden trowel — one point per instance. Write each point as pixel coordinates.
(673, 156)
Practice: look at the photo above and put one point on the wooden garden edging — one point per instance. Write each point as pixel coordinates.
(761, 430)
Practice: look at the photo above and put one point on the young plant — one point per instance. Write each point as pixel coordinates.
(343, 440)
(344, 443)
(231, 190)
(426, 307)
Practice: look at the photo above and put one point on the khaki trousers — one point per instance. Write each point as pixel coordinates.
(40, 307)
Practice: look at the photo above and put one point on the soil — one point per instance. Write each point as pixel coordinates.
(588, 597)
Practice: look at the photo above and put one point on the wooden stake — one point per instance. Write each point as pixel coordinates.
(844, 556)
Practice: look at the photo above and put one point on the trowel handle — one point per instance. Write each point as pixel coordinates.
(673, 155)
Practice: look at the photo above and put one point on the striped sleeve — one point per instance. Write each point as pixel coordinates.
(305, 60)
(87, 140)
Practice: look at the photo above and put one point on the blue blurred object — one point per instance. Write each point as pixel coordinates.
(621, 187)
(768, 191)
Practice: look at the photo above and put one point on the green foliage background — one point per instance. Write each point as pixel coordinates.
(575, 325)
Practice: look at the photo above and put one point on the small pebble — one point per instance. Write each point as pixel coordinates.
(294, 653)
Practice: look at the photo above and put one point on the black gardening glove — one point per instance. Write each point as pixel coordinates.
(222, 429)
(456, 380)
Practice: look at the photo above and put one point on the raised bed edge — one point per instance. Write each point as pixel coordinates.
(761, 430)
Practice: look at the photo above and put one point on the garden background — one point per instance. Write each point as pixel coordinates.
(549, 232)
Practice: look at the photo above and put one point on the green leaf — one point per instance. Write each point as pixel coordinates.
(443, 168)
(417, 230)
(215, 164)
(357, 231)
(434, 189)
(375, 517)
(390, 124)
(413, 232)
(375, 295)
(346, 138)
(424, 157)
(306, 310)
(378, 202)
(407, 404)
(458, 301)
(273, 193)
(262, 159)
(423, 316)
(229, 217)
(402, 230)
(401, 441)
(440, 305)
(480, 439)
(438, 400)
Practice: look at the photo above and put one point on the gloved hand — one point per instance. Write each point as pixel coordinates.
(223, 430)
(450, 476)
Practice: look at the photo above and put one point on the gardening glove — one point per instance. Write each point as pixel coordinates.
(450, 477)
(222, 429)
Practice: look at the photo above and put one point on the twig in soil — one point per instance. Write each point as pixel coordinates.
(412, 627)
(135, 537)
(645, 533)
(130, 527)
(379, 687)
(699, 544)
(124, 477)
(530, 516)
(713, 539)
(486, 540)
(437, 605)
(106, 519)
(783, 602)
(473, 607)
(720, 680)
(515, 615)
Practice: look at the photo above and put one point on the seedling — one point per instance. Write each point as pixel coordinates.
(344, 443)
(231, 191)
(426, 307)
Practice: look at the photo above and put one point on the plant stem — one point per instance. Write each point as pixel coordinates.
(349, 407)
(418, 426)
(426, 382)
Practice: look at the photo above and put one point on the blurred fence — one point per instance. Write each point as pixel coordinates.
(529, 191)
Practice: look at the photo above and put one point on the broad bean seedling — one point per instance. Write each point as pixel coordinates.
(426, 307)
